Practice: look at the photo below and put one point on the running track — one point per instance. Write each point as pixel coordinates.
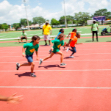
(83, 85)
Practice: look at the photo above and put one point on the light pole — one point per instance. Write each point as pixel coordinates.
(26, 13)
(65, 15)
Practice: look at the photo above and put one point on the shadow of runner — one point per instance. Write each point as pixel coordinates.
(51, 66)
(24, 74)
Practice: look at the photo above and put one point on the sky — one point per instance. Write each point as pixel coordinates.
(11, 11)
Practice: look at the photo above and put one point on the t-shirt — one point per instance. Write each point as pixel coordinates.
(47, 29)
(58, 35)
(57, 44)
(24, 34)
(73, 42)
(104, 29)
(94, 27)
(73, 34)
(30, 48)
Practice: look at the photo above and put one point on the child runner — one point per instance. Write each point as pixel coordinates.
(72, 35)
(57, 43)
(60, 31)
(72, 43)
(30, 48)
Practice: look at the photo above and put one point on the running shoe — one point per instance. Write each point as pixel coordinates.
(40, 62)
(62, 64)
(71, 56)
(67, 49)
(17, 66)
(33, 75)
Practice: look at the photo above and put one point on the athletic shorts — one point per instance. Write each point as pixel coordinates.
(29, 58)
(46, 37)
(57, 50)
(23, 37)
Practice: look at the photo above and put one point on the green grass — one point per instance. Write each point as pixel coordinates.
(16, 34)
(81, 40)
(82, 30)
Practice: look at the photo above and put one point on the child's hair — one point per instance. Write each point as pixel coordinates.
(60, 36)
(61, 30)
(94, 22)
(35, 37)
(74, 30)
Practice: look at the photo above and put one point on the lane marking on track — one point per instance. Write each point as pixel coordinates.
(42, 87)
(66, 61)
(64, 54)
(84, 70)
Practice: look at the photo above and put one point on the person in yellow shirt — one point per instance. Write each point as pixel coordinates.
(47, 30)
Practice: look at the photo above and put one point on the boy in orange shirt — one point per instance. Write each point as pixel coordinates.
(72, 34)
(72, 43)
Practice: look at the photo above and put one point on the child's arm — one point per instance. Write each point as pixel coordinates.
(37, 55)
(23, 52)
(68, 35)
(11, 99)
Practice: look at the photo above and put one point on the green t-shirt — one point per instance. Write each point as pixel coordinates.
(94, 27)
(30, 48)
(57, 44)
(24, 34)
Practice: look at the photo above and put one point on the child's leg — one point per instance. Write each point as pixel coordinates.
(41, 60)
(60, 53)
(61, 59)
(32, 67)
(49, 56)
(73, 50)
(25, 64)
(29, 64)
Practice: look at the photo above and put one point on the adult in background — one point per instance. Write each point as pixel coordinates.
(23, 36)
(47, 30)
(94, 30)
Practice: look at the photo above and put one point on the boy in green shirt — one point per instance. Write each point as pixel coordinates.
(28, 53)
(56, 49)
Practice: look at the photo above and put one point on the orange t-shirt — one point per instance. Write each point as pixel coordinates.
(73, 34)
(73, 42)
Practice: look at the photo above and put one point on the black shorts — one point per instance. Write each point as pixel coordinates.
(23, 37)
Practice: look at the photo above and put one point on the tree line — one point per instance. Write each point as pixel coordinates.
(78, 18)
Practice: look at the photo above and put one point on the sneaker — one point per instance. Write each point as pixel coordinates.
(17, 66)
(33, 75)
(67, 49)
(40, 62)
(71, 56)
(50, 51)
(62, 64)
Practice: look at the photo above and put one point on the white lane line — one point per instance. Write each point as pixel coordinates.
(64, 60)
(64, 54)
(84, 70)
(42, 87)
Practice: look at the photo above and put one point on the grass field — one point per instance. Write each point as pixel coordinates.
(86, 31)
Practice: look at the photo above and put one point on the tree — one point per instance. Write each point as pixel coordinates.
(39, 20)
(102, 12)
(82, 17)
(54, 22)
(23, 22)
(1, 26)
(70, 19)
(5, 26)
(16, 25)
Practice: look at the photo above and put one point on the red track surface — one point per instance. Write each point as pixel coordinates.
(83, 85)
